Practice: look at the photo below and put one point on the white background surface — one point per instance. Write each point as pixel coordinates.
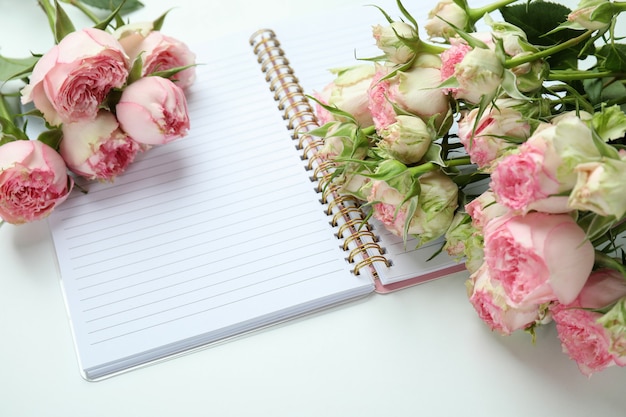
(419, 352)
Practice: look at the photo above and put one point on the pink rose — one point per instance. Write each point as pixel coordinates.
(161, 53)
(33, 180)
(484, 208)
(484, 134)
(582, 337)
(97, 149)
(436, 204)
(440, 17)
(543, 171)
(347, 92)
(538, 257)
(413, 91)
(524, 181)
(490, 302)
(153, 110)
(72, 80)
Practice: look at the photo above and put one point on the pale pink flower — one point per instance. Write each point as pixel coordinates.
(489, 137)
(415, 91)
(33, 181)
(153, 110)
(445, 11)
(600, 187)
(581, 331)
(73, 78)
(484, 208)
(521, 179)
(160, 53)
(583, 338)
(437, 202)
(538, 257)
(347, 92)
(450, 58)
(544, 168)
(97, 149)
(388, 40)
(407, 139)
(488, 298)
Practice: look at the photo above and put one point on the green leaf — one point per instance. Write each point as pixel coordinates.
(16, 68)
(9, 132)
(127, 7)
(114, 15)
(612, 57)
(51, 138)
(158, 23)
(63, 25)
(537, 20)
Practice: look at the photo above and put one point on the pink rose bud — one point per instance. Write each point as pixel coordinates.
(33, 181)
(158, 52)
(407, 140)
(480, 73)
(591, 15)
(436, 204)
(388, 40)
(592, 339)
(489, 300)
(445, 11)
(485, 139)
(600, 188)
(463, 241)
(153, 111)
(414, 91)
(538, 257)
(484, 208)
(97, 149)
(543, 169)
(72, 80)
(347, 92)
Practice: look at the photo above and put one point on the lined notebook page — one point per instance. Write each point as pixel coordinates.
(217, 233)
(312, 58)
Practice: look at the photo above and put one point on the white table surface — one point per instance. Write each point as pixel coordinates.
(418, 352)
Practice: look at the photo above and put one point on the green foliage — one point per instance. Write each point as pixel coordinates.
(127, 6)
(16, 68)
(539, 21)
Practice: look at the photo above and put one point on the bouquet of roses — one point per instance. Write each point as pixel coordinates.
(508, 143)
(105, 93)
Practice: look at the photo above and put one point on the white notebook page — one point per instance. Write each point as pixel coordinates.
(208, 236)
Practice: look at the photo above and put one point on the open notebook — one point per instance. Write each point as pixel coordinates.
(225, 231)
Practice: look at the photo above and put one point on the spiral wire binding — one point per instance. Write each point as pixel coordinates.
(359, 242)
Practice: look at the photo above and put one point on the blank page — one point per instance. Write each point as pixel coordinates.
(206, 237)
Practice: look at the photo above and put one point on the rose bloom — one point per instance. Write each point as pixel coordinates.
(582, 15)
(484, 208)
(407, 140)
(33, 181)
(485, 139)
(347, 92)
(158, 52)
(445, 11)
(153, 111)
(414, 91)
(97, 149)
(437, 202)
(582, 334)
(600, 187)
(543, 168)
(71, 80)
(490, 302)
(538, 257)
(387, 40)
(480, 73)
(463, 241)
